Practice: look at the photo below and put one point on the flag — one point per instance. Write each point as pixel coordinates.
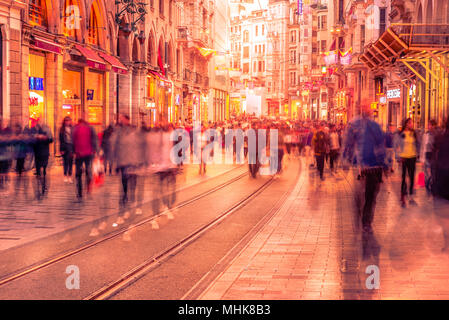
(333, 45)
(206, 52)
(160, 62)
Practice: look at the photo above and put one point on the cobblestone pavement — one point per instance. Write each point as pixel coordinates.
(23, 218)
(313, 248)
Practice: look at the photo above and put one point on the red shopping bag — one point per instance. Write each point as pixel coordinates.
(421, 180)
(98, 172)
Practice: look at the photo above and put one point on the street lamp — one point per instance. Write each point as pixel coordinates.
(136, 12)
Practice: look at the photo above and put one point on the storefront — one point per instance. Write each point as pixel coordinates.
(84, 85)
(72, 105)
(390, 107)
(204, 103)
(160, 96)
(37, 86)
(151, 100)
(295, 107)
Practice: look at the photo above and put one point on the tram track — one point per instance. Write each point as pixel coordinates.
(113, 235)
(144, 268)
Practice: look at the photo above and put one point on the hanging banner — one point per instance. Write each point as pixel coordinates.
(330, 57)
(346, 57)
(300, 7)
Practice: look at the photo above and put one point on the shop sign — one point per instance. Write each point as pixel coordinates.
(90, 94)
(393, 93)
(383, 100)
(95, 115)
(36, 83)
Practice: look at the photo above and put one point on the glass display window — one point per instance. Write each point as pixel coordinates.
(72, 95)
(36, 89)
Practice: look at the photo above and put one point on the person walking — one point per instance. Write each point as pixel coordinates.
(85, 146)
(107, 149)
(128, 147)
(427, 153)
(440, 185)
(390, 140)
(5, 153)
(42, 137)
(408, 153)
(365, 142)
(334, 141)
(66, 147)
(320, 144)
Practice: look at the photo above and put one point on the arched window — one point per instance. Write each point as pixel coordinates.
(92, 28)
(246, 36)
(150, 50)
(37, 13)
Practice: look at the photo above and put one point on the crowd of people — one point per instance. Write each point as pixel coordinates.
(132, 151)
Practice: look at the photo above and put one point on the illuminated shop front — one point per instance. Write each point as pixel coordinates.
(160, 98)
(151, 100)
(204, 108)
(71, 94)
(36, 90)
(84, 87)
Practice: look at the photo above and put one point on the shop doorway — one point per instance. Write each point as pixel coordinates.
(393, 110)
(72, 95)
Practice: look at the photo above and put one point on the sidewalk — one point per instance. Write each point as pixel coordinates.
(24, 219)
(312, 249)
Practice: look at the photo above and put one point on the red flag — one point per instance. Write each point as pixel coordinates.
(160, 62)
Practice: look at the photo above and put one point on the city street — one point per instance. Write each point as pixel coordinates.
(218, 150)
(298, 238)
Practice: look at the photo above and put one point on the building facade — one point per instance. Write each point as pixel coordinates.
(77, 58)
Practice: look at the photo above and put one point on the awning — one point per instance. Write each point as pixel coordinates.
(92, 58)
(385, 50)
(45, 45)
(405, 50)
(117, 66)
(159, 75)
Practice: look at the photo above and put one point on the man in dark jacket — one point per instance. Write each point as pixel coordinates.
(42, 137)
(85, 146)
(320, 145)
(440, 185)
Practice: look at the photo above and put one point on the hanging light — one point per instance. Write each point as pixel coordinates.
(135, 10)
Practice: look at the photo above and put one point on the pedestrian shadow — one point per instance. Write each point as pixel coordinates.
(408, 240)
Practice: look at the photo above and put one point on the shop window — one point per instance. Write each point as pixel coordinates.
(71, 93)
(94, 95)
(38, 13)
(36, 86)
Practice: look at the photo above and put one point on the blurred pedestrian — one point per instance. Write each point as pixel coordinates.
(440, 186)
(320, 144)
(365, 142)
(107, 149)
(428, 150)
(390, 140)
(334, 146)
(5, 153)
(66, 147)
(42, 139)
(408, 152)
(128, 154)
(85, 146)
